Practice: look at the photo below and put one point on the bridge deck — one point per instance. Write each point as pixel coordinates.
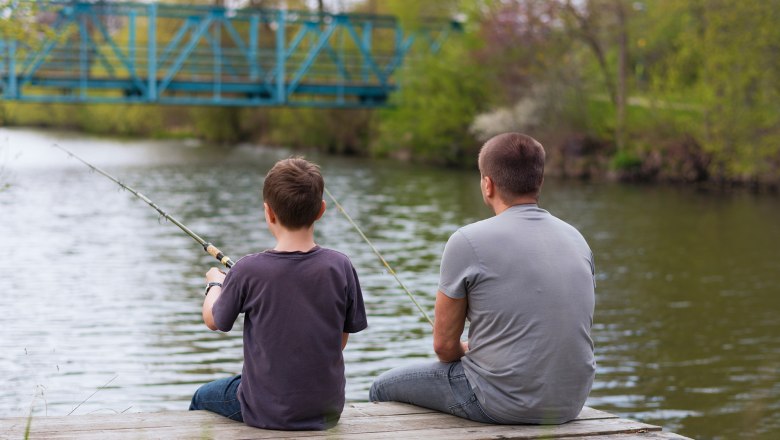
(359, 421)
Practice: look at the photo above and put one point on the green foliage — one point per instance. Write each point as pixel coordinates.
(668, 57)
(15, 22)
(438, 99)
(412, 13)
(335, 131)
(720, 56)
(625, 161)
(743, 83)
(39, 115)
(217, 124)
(123, 120)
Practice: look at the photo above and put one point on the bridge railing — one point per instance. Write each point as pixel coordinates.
(199, 55)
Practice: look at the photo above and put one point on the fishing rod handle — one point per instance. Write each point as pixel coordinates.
(216, 253)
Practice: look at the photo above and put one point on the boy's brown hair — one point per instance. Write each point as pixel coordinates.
(515, 163)
(293, 189)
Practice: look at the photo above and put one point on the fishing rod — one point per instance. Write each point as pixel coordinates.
(208, 247)
(225, 260)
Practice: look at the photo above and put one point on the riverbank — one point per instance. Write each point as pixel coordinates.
(574, 156)
(681, 162)
(335, 131)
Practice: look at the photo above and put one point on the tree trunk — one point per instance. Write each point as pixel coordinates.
(588, 34)
(621, 90)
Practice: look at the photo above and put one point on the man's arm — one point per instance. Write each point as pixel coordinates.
(213, 275)
(450, 319)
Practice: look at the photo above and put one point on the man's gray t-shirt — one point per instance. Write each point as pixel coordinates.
(529, 281)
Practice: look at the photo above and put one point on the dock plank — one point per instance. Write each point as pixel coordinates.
(655, 435)
(395, 408)
(361, 420)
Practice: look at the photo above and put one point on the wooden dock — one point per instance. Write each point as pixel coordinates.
(359, 421)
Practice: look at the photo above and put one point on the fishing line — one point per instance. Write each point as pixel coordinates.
(90, 396)
(208, 247)
(381, 258)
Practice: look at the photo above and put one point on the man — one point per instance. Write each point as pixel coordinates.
(525, 281)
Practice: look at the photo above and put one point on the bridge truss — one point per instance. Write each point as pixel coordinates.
(121, 52)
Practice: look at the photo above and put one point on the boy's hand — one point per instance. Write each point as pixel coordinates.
(214, 275)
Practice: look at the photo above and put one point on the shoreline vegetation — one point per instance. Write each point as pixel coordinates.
(636, 91)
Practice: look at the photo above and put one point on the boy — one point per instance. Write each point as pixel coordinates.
(300, 302)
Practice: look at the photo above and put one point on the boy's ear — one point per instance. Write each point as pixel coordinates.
(270, 216)
(322, 210)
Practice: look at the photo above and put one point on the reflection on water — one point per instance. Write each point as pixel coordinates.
(687, 325)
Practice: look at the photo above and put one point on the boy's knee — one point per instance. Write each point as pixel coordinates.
(195, 403)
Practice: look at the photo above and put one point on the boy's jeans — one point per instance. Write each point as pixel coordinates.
(220, 397)
(439, 386)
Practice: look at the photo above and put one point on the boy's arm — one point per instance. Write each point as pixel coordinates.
(344, 337)
(213, 275)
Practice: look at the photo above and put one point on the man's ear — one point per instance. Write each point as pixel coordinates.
(490, 188)
(322, 210)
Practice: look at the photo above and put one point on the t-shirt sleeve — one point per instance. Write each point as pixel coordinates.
(459, 267)
(355, 319)
(230, 302)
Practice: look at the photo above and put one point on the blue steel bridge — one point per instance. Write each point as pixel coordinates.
(120, 52)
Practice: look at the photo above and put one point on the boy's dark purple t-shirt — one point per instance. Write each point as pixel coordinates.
(296, 306)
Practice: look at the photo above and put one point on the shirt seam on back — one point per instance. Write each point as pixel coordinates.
(482, 265)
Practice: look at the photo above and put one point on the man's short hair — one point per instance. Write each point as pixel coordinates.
(293, 189)
(515, 163)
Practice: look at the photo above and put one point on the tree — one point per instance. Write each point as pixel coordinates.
(439, 98)
(741, 76)
(720, 57)
(521, 43)
(604, 25)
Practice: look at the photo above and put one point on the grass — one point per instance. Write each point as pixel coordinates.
(40, 388)
(28, 425)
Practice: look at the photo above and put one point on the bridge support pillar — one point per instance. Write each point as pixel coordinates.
(281, 57)
(12, 91)
(151, 88)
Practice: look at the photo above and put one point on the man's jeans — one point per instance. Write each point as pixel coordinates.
(438, 386)
(220, 397)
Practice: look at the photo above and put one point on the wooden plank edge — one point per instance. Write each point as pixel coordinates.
(420, 428)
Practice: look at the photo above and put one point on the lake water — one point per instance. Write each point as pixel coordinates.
(101, 298)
